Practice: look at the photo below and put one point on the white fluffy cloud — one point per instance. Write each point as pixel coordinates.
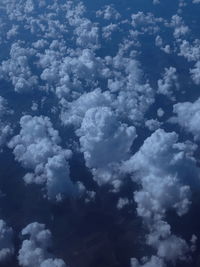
(191, 51)
(180, 29)
(101, 93)
(195, 73)
(72, 72)
(146, 22)
(34, 250)
(169, 82)
(17, 70)
(160, 169)
(133, 95)
(108, 13)
(74, 112)
(5, 128)
(168, 246)
(128, 94)
(152, 124)
(159, 42)
(37, 148)
(103, 139)
(152, 262)
(188, 117)
(159, 164)
(6, 242)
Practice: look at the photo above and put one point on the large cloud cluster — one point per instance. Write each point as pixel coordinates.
(74, 112)
(34, 250)
(107, 79)
(17, 70)
(37, 148)
(69, 74)
(101, 133)
(159, 169)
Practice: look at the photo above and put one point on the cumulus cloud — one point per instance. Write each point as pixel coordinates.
(108, 30)
(104, 94)
(34, 250)
(168, 246)
(17, 69)
(191, 51)
(5, 128)
(133, 94)
(159, 42)
(162, 156)
(146, 22)
(128, 94)
(103, 139)
(152, 124)
(158, 168)
(71, 73)
(74, 112)
(169, 82)
(152, 262)
(188, 116)
(195, 73)
(108, 13)
(37, 148)
(5, 132)
(180, 29)
(3, 108)
(6, 242)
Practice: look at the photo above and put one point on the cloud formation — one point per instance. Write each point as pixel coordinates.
(6, 242)
(34, 250)
(37, 148)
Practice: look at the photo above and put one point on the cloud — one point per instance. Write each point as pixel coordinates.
(146, 23)
(168, 246)
(191, 51)
(169, 82)
(97, 85)
(6, 242)
(187, 117)
(37, 148)
(5, 132)
(195, 73)
(108, 30)
(74, 112)
(196, 1)
(103, 139)
(159, 43)
(133, 94)
(17, 69)
(152, 124)
(71, 73)
(159, 167)
(152, 262)
(180, 29)
(162, 156)
(108, 12)
(5, 128)
(53, 263)
(34, 250)
(127, 92)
